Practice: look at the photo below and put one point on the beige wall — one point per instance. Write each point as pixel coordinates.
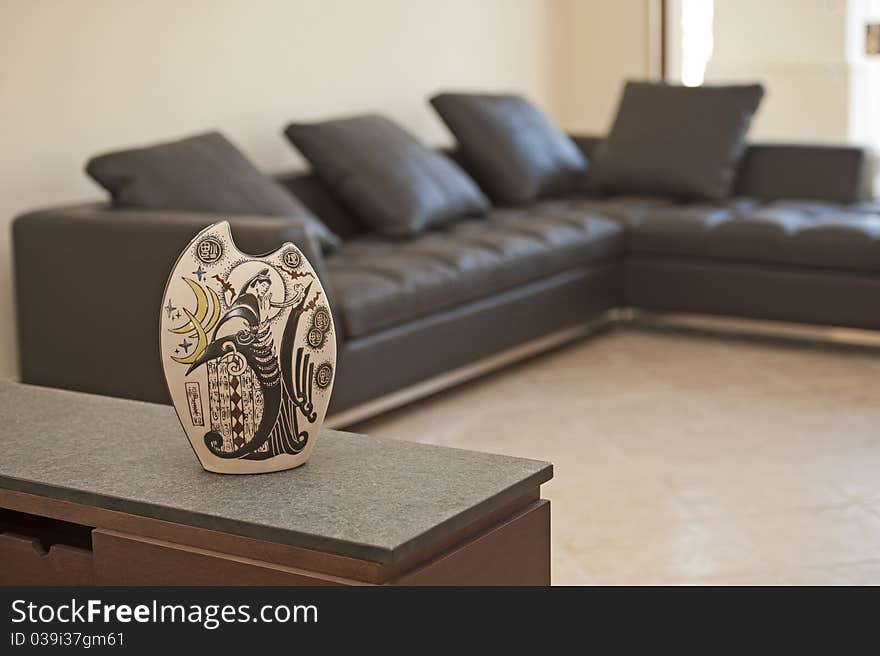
(810, 55)
(798, 49)
(80, 77)
(864, 109)
(608, 42)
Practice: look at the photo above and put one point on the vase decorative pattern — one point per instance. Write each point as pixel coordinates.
(248, 348)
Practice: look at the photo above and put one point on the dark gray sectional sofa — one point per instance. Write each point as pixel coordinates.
(797, 241)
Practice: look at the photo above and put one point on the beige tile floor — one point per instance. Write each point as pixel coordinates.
(686, 458)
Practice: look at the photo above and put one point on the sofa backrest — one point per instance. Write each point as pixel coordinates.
(769, 171)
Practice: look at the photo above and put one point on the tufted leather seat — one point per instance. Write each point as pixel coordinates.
(810, 234)
(380, 282)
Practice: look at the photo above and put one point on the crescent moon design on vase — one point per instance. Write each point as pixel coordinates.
(194, 326)
(201, 308)
(201, 345)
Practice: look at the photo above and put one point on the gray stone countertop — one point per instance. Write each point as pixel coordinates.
(358, 496)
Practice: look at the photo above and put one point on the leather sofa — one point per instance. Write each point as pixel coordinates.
(798, 241)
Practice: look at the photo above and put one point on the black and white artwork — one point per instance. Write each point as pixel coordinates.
(248, 348)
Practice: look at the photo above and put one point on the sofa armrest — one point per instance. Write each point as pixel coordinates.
(774, 171)
(833, 173)
(89, 284)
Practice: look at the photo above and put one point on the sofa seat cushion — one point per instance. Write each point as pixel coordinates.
(378, 283)
(808, 233)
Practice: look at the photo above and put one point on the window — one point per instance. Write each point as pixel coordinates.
(689, 40)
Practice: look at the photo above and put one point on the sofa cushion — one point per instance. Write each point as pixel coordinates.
(810, 234)
(203, 173)
(514, 151)
(394, 183)
(378, 283)
(679, 141)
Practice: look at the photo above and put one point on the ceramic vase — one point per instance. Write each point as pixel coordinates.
(248, 348)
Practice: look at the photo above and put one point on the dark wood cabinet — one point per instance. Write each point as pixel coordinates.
(49, 542)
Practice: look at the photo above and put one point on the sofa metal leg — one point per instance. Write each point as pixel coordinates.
(754, 328)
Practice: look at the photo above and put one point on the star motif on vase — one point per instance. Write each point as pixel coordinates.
(177, 316)
(200, 272)
(185, 345)
(169, 308)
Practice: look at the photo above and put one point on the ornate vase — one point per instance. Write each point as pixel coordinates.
(248, 348)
